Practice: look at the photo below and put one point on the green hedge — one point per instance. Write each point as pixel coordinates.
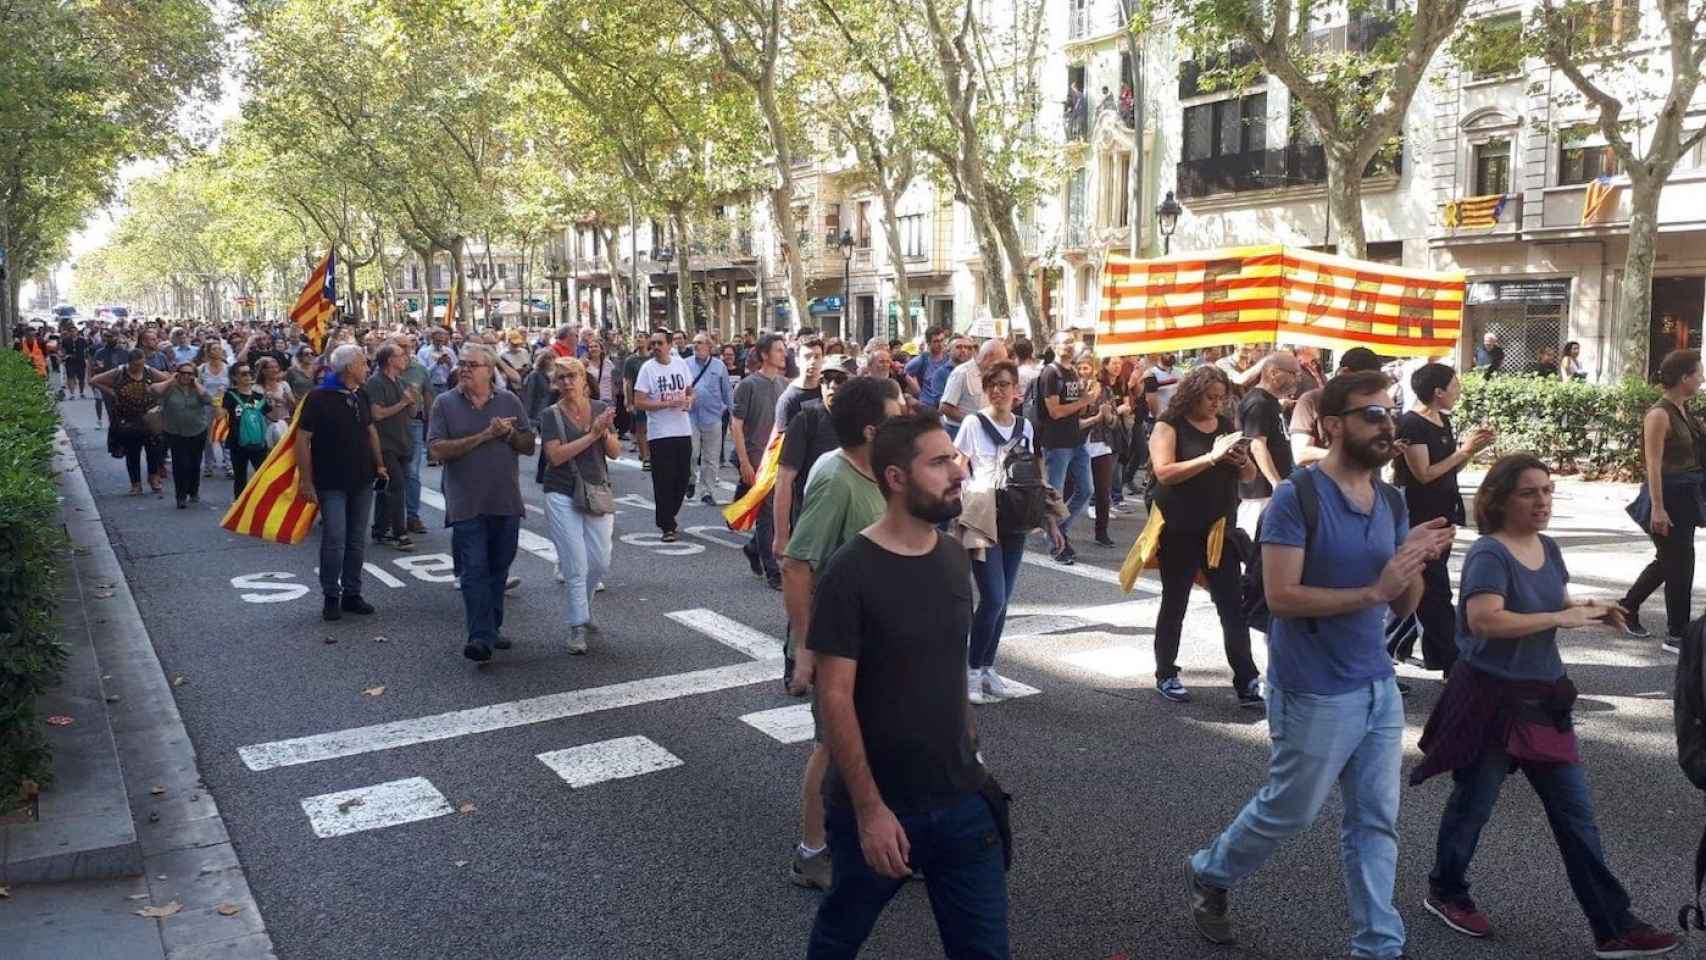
(32, 555)
(1577, 427)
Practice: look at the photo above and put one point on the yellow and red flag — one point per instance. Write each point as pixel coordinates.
(1276, 294)
(743, 513)
(1600, 191)
(269, 507)
(220, 430)
(318, 302)
(1475, 211)
(450, 304)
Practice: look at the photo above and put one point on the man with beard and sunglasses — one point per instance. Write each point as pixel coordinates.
(1333, 704)
(906, 790)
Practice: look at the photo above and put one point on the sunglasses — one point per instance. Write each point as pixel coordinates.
(660, 343)
(835, 378)
(1373, 413)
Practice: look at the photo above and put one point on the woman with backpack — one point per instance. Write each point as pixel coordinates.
(130, 431)
(246, 411)
(993, 439)
(1198, 457)
(215, 376)
(1508, 707)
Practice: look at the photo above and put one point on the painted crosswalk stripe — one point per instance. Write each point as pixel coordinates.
(616, 759)
(792, 724)
(1118, 662)
(502, 716)
(533, 543)
(375, 807)
(730, 633)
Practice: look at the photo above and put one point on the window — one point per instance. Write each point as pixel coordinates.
(1493, 167)
(1579, 164)
(914, 236)
(503, 271)
(1495, 47)
(864, 224)
(1604, 23)
(1693, 158)
(1226, 127)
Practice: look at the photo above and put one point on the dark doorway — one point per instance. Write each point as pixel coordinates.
(1678, 303)
(867, 318)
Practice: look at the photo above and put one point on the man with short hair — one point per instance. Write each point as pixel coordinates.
(929, 370)
(713, 394)
(393, 403)
(906, 791)
(182, 350)
(415, 375)
(1490, 355)
(753, 422)
(1062, 399)
(1260, 419)
(337, 457)
(564, 345)
(1334, 710)
(1308, 441)
(479, 431)
(963, 395)
(663, 390)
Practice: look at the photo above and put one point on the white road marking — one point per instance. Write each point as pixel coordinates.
(1087, 571)
(632, 464)
(370, 808)
(721, 535)
(502, 716)
(616, 759)
(1120, 662)
(791, 724)
(264, 588)
(729, 633)
(533, 543)
(654, 542)
(377, 573)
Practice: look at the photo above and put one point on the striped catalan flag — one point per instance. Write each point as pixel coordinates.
(269, 507)
(450, 304)
(1597, 197)
(220, 430)
(317, 302)
(1475, 211)
(743, 513)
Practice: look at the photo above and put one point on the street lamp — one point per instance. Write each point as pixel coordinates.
(554, 273)
(664, 255)
(1167, 216)
(846, 280)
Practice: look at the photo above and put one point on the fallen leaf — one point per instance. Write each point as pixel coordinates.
(373, 691)
(137, 896)
(60, 720)
(344, 806)
(157, 790)
(179, 680)
(156, 913)
(228, 909)
(459, 863)
(154, 817)
(466, 808)
(329, 639)
(5, 892)
(381, 639)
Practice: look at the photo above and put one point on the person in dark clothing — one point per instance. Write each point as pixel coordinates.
(129, 394)
(1671, 441)
(338, 456)
(1490, 356)
(75, 348)
(393, 402)
(246, 411)
(1261, 417)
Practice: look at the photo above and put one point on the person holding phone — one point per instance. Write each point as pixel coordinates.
(1199, 458)
(337, 458)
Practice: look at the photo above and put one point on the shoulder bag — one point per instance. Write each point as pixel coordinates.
(592, 499)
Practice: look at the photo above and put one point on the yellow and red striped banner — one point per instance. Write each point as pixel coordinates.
(220, 431)
(315, 305)
(1276, 294)
(743, 513)
(269, 507)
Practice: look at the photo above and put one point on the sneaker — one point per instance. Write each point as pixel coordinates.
(1632, 627)
(995, 684)
(1173, 690)
(381, 537)
(331, 611)
(353, 603)
(1672, 644)
(1251, 695)
(511, 584)
(1065, 557)
(577, 638)
(811, 872)
(774, 580)
(502, 643)
(416, 526)
(753, 561)
(599, 588)
(195, 498)
(646, 465)
(708, 500)
(1103, 540)
(1208, 908)
(1460, 914)
(974, 687)
(477, 652)
(228, 472)
(404, 543)
(1640, 940)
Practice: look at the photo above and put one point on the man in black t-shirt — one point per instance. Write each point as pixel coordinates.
(1261, 419)
(906, 790)
(337, 457)
(1062, 399)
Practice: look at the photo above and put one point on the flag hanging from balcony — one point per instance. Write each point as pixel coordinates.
(1600, 192)
(1475, 211)
(451, 302)
(269, 507)
(1276, 294)
(318, 302)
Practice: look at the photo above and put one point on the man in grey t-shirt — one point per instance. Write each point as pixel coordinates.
(753, 420)
(479, 431)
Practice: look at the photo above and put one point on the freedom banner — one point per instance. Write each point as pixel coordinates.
(1276, 294)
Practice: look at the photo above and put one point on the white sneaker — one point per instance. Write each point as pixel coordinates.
(511, 584)
(995, 684)
(974, 688)
(599, 588)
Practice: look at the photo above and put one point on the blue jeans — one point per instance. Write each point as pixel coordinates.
(484, 547)
(415, 464)
(583, 551)
(1076, 461)
(995, 574)
(1354, 739)
(343, 539)
(959, 850)
(1563, 792)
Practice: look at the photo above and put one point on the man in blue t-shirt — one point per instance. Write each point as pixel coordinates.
(929, 370)
(1333, 704)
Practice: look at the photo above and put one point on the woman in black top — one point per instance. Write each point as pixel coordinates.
(1427, 472)
(1197, 458)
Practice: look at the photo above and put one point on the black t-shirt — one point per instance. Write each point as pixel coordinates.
(342, 450)
(1194, 505)
(1259, 416)
(77, 349)
(793, 399)
(909, 691)
(1441, 498)
(1066, 388)
(810, 435)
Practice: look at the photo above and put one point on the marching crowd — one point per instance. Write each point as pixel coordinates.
(866, 473)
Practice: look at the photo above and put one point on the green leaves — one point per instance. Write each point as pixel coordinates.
(1577, 427)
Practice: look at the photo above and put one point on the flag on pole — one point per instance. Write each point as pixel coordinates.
(220, 430)
(450, 306)
(1600, 192)
(1276, 294)
(743, 513)
(268, 507)
(1475, 211)
(317, 302)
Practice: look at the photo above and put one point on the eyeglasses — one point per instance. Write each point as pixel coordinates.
(998, 385)
(834, 378)
(1373, 413)
(471, 364)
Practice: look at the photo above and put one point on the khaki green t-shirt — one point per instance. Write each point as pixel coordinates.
(839, 502)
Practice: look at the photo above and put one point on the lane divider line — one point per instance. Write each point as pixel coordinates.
(616, 759)
(373, 808)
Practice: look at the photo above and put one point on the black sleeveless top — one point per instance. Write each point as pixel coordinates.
(1194, 506)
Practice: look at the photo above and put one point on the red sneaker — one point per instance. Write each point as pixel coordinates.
(1640, 940)
(1460, 914)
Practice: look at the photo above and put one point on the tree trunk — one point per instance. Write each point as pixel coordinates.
(457, 248)
(425, 256)
(613, 259)
(683, 273)
(1344, 201)
(1635, 296)
(1041, 330)
(897, 261)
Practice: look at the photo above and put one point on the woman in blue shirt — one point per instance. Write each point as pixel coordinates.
(1507, 706)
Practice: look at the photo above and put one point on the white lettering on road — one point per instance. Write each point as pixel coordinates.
(429, 568)
(370, 808)
(616, 759)
(379, 574)
(784, 724)
(266, 589)
(730, 633)
(721, 536)
(654, 542)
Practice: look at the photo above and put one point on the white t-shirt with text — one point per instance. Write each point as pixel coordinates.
(980, 448)
(665, 382)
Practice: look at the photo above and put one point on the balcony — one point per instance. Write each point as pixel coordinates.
(1075, 235)
(1296, 165)
(1507, 223)
(1077, 121)
(1358, 36)
(1078, 23)
(1682, 205)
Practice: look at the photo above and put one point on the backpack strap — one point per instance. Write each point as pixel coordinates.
(1309, 504)
(995, 436)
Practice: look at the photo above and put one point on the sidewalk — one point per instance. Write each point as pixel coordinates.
(129, 858)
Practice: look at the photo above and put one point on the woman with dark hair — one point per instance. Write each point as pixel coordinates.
(185, 412)
(1508, 707)
(1671, 443)
(1197, 458)
(1427, 473)
(129, 398)
(1573, 369)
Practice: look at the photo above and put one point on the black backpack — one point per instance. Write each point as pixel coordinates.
(1255, 597)
(1021, 486)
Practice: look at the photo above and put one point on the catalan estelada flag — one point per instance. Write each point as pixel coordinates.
(743, 513)
(450, 304)
(1276, 294)
(1600, 191)
(220, 430)
(1475, 211)
(317, 302)
(269, 507)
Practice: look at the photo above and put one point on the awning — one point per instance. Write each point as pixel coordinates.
(1276, 294)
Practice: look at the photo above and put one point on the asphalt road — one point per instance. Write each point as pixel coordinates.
(677, 845)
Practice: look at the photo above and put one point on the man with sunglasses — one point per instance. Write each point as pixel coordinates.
(663, 390)
(1334, 709)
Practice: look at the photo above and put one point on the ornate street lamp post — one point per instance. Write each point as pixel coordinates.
(1167, 217)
